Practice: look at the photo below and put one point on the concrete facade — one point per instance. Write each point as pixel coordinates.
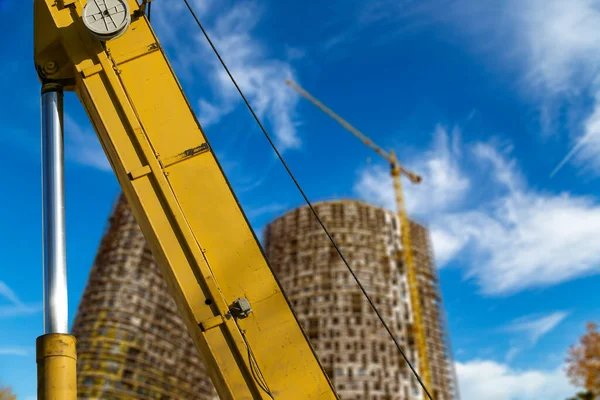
(131, 342)
(353, 346)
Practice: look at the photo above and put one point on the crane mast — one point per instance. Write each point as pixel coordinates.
(396, 170)
(233, 306)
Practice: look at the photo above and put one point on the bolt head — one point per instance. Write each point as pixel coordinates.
(50, 67)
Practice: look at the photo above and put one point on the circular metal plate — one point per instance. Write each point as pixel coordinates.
(106, 19)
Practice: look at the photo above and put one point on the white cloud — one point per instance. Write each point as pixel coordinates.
(516, 237)
(587, 147)
(562, 40)
(553, 45)
(8, 293)
(483, 379)
(563, 53)
(294, 53)
(530, 330)
(556, 43)
(447, 245)
(525, 238)
(260, 76)
(15, 351)
(17, 310)
(15, 307)
(266, 209)
(210, 114)
(536, 326)
(83, 147)
(444, 183)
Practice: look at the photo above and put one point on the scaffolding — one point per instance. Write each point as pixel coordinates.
(347, 336)
(131, 342)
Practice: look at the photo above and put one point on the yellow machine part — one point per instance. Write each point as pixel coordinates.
(195, 227)
(413, 282)
(56, 364)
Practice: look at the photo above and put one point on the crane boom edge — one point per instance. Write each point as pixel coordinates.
(194, 225)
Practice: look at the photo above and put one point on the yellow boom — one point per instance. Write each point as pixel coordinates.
(396, 171)
(233, 307)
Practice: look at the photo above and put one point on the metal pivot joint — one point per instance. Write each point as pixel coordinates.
(55, 351)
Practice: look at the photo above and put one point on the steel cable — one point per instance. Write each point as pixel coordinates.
(308, 202)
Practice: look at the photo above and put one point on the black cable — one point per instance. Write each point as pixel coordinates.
(149, 9)
(307, 200)
(254, 368)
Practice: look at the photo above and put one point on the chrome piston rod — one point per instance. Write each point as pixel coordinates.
(53, 218)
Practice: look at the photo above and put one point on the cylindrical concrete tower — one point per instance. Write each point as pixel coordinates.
(131, 342)
(353, 346)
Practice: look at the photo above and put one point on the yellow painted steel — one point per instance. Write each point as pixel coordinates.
(56, 367)
(411, 274)
(397, 170)
(183, 203)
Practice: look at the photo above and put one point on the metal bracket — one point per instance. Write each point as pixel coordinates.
(211, 323)
(142, 10)
(66, 3)
(189, 153)
(240, 308)
(139, 172)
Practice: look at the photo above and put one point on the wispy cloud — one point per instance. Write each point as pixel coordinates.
(83, 147)
(528, 330)
(556, 44)
(536, 326)
(526, 238)
(552, 45)
(512, 236)
(444, 183)
(15, 306)
(564, 58)
(259, 74)
(484, 379)
(266, 209)
(15, 351)
(8, 293)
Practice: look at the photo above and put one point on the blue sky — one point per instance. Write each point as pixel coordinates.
(484, 99)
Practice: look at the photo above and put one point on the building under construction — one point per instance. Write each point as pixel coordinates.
(132, 344)
(351, 343)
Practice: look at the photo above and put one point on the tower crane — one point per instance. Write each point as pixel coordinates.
(397, 170)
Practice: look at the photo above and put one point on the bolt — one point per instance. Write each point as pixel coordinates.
(50, 67)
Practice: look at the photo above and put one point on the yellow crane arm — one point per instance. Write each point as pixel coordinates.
(388, 156)
(396, 171)
(232, 304)
(339, 119)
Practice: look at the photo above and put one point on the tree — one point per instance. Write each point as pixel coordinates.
(583, 396)
(583, 361)
(7, 394)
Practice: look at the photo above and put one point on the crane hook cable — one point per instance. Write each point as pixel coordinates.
(308, 202)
